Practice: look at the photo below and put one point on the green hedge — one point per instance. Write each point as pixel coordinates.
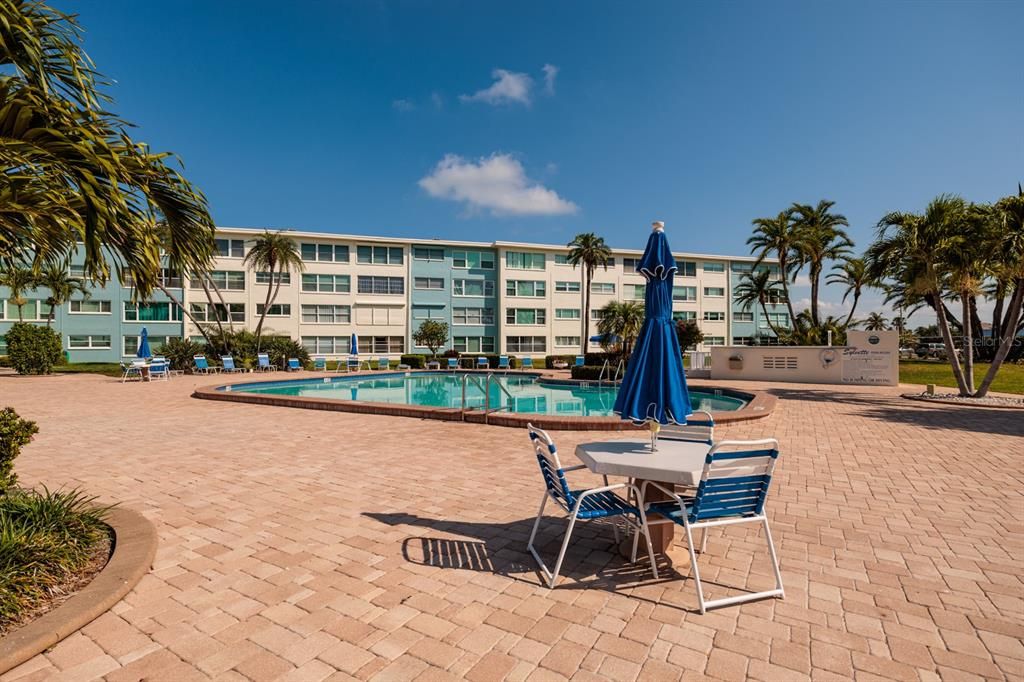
(33, 349)
(414, 361)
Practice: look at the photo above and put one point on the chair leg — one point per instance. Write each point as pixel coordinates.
(703, 540)
(565, 546)
(536, 524)
(647, 538)
(694, 568)
(775, 559)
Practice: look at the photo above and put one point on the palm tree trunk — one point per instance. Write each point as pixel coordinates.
(213, 306)
(947, 338)
(815, 276)
(785, 289)
(764, 309)
(266, 308)
(968, 342)
(849, 318)
(586, 308)
(220, 297)
(188, 314)
(1009, 334)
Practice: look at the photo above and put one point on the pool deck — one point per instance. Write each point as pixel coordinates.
(301, 545)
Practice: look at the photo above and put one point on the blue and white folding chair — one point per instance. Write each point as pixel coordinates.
(481, 363)
(263, 363)
(733, 488)
(201, 366)
(699, 428)
(228, 363)
(453, 363)
(595, 503)
(294, 365)
(352, 364)
(159, 368)
(580, 360)
(527, 363)
(320, 364)
(503, 362)
(383, 363)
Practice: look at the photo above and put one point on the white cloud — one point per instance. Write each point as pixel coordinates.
(508, 88)
(437, 100)
(403, 105)
(550, 72)
(497, 183)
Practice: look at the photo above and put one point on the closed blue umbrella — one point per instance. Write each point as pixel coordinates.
(653, 390)
(354, 344)
(144, 351)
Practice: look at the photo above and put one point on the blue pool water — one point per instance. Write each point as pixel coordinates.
(528, 395)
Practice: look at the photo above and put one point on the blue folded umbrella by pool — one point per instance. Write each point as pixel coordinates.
(653, 389)
(144, 351)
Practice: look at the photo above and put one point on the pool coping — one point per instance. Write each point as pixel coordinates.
(760, 404)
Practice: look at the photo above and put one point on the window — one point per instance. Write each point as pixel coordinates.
(89, 341)
(379, 315)
(684, 293)
(775, 299)
(78, 272)
(327, 284)
(325, 253)
(326, 314)
(526, 344)
(743, 340)
(472, 287)
(428, 312)
(386, 286)
(596, 314)
(264, 278)
(204, 313)
(3, 311)
(526, 288)
(714, 316)
(517, 260)
(3, 344)
(714, 340)
(567, 341)
(741, 267)
(481, 260)
(567, 313)
(630, 264)
(567, 287)
(152, 312)
(380, 255)
(687, 268)
(473, 344)
(386, 344)
(717, 292)
(684, 315)
(230, 248)
(130, 344)
(88, 306)
(427, 253)
(743, 317)
(473, 316)
(714, 267)
(561, 259)
(276, 309)
(168, 277)
(327, 345)
(634, 292)
(226, 280)
(428, 283)
(780, 320)
(526, 316)
(31, 310)
(602, 288)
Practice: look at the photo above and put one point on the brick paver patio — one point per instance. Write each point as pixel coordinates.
(300, 545)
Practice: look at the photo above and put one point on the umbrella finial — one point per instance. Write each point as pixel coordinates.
(658, 226)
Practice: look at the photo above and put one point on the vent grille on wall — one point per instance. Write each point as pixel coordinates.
(779, 362)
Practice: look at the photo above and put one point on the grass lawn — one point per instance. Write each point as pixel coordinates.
(110, 369)
(1010, 378)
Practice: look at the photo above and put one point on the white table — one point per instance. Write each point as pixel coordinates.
(675, 462)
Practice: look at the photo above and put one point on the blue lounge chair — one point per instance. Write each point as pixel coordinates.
(580, 360)
(320, 364)
(596, 503)
(229, 364)
(263, 363)
(527, 363)
(503, 362)
(201, 366)
(453, 363)
(481, 363)
(159, 368)
(352, 364)
(383, 363)
(733, 488)
(294, 365)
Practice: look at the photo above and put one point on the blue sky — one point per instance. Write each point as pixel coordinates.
(535, 121)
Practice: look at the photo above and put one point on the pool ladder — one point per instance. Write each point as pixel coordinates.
(606, 367)
(484, 386)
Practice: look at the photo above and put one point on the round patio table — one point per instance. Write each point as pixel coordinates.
(675, 462)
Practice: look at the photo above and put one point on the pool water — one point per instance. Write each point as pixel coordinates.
(528, 395)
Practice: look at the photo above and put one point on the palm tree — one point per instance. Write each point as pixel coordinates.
(275, 253)
(853, 273)
(776, 236)
(62, 288)
(876, 322)
(622, 320)
(819, 238)
(588, 251)
(19, 281)
(756, 288)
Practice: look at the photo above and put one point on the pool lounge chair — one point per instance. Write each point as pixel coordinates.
(596, 503)
(229, 364)
(580, 360)
(159, 368)
(294, 365)
(481, 363)
(263, 363)
(433, 364)
(733, 488)
(201, 366)
(352, 364)
(319, 364)
(527, 363)
(383, 363)
(503, 362)
(453, 363)
(699, 428)
(132, 369)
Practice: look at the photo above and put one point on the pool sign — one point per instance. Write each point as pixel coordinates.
(871, 359)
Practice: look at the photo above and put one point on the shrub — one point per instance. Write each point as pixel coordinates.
(180, 352)
(33, 349)
(15, 432)
(280, 348)
(688, 333)
(414, 361)
(432, 334)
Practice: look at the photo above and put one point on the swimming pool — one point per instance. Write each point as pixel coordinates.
(526, 394)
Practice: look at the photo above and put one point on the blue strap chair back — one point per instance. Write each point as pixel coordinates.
(383, 363)
(551, 468)
(228, 362)
(353, 361)
(482, 362)
(319, 364)
(293, 363)
(503, 362)
(527, 363)
(733, 483)
(699, 428)
(579, 360)
(453, 363)
(263, 359)
(201, 362)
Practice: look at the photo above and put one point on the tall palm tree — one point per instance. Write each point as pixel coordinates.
(62, 288)
(757, 288)
(588, 251)
(819, 238)
(876, 322)
(275, 253)
(776, 236)
(622, 319)
(853, 273)
(20, 281)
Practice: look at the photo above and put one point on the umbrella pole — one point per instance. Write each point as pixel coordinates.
(655, 428)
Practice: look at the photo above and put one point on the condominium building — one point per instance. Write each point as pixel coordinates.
(496, 297)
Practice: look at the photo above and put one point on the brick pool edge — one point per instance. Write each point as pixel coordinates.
(760, 405)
